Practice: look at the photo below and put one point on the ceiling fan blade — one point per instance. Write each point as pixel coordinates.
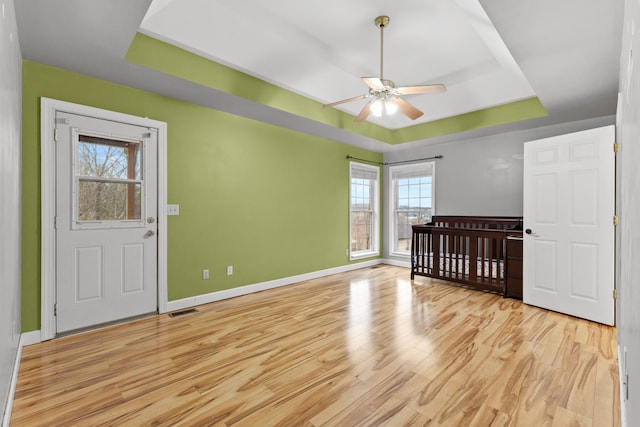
(406, 108)
(344, 101)
(373, 82)
(364, 113)
(411, 90)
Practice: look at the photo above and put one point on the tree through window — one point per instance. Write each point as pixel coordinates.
(109, 179)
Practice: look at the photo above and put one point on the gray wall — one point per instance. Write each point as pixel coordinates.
(628, 248)
(10, 170)
(479, 176)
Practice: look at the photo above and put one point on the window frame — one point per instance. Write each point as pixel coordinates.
(76, 223)
(394, 171)
(374, 249)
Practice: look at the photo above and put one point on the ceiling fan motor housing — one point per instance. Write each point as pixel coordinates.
(389, 89)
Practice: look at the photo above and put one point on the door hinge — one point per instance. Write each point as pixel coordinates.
(615, 294)
(55, 222)
(616, 147)
(616, 220)
(55, 309)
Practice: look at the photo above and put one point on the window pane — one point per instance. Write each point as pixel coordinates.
(106, 158)
(360, 231)
(104, 201)
(403, 223)
(403, 232)
(403, 190)
(361, 193)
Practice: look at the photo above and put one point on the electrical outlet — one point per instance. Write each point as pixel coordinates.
(205, 274)
(229, 270)
(346, 252)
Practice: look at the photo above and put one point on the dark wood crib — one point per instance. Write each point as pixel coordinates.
(470, 250)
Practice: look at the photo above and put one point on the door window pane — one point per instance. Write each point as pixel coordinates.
(107, 158)
(108, 201)
(108, 183)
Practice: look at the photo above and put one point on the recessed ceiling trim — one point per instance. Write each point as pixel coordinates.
(164, 57)
(167, 58)
(525, 109)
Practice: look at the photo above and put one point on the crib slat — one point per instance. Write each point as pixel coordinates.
(473, 258)
(435, 249)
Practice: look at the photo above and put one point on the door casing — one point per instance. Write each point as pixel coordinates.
(48, 202)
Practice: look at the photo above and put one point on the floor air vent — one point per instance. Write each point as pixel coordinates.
(182, 312)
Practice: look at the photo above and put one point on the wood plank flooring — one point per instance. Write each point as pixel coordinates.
(363, 348)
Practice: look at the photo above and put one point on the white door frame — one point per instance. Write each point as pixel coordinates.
(48, 108)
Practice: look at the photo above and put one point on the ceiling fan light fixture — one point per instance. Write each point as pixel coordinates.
(390, 107)
(383, 106)
(377, 107)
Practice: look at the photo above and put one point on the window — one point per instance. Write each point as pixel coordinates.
(364, 207)
(108, 180)
(412, 191)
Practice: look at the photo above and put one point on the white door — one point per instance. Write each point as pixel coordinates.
(106, 212)
(568, 263)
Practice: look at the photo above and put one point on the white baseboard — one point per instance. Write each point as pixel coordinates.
(26, 338)
(621, 369)
(181, 304)
(397, 262)
(30, 338)
(14, 380)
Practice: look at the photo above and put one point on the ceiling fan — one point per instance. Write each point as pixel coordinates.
(385, 95)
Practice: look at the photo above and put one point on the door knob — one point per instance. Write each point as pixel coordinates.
(528, 231)
(150, 233)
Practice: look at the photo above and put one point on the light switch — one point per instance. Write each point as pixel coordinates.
(173, 209)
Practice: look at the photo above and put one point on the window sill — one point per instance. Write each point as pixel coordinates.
(406, 255)
(362, 255)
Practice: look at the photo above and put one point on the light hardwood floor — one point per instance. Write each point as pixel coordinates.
(364, 348)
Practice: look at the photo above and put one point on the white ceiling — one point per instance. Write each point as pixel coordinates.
(566, 52)
(321, 49)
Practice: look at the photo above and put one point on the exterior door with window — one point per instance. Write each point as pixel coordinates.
(106, 212)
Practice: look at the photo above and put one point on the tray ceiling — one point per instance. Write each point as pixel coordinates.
(560, 59)
(321, 49)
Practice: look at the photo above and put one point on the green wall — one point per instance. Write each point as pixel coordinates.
(270, 201)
